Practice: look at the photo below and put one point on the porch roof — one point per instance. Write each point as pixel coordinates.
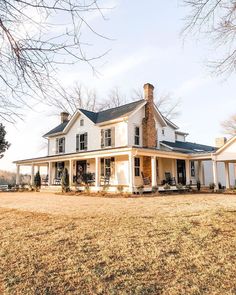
(105, 153)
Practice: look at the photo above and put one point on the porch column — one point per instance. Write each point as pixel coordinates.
(32, 175)
(154, 171)
(173, 168)
(97, 172)
(131, 172)
(71, 172)
(17, 174)
(160, 170)
(227, 179)
(49, 173)
(200, 172)
(187, 167)
(215, 174)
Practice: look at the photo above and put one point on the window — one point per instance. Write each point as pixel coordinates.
(60, 145)
(137, 135)
(192, 168)
(107, 137)
(106, 166)
(82, 122)
(163, 131)
(81, 142)
(137, 166)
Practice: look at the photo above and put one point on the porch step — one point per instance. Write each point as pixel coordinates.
(51, 188)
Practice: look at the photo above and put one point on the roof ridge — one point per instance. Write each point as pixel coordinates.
(129, 103)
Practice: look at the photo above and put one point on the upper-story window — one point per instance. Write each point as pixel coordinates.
(136, 135)
(163, 131)
(107, 137)
(60, 145)
(82, 141)
(82, 122)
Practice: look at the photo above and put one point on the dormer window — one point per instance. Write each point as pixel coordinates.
(82, 122)
(137, 135)
(60, 145)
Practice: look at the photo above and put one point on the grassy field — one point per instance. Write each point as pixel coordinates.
(83, 245)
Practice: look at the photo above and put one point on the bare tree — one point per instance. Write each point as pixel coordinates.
(229, 126)
(168, 105)
(37, 36)
(217, 19)
(82, 97)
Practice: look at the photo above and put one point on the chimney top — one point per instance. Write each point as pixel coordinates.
(64, 117)
(148, 91)
(220, 141)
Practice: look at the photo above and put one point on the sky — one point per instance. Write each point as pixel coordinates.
(145, 46)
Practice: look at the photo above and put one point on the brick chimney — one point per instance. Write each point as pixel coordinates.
(64, 117)
(220, 141)
(149, 125)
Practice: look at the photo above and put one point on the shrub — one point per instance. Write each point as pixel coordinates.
(120, 189)
(140, 189)
(65, 180)
(155, 189)
(198, 185)
(166, 186)
(179, 186)
(212, 185)
(37, 181)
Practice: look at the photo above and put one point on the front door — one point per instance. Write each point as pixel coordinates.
(81, 169)
(181, 172)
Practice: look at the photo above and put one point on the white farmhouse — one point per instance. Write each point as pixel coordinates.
(130, 146)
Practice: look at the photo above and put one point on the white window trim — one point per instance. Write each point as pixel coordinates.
(137, 126)
(78, 134)
(57, 145)
(105, 130)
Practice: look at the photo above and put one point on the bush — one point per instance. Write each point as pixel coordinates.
(198, 185)
(65, 181)
(212, 185)
(166, 186)
(120, 189)
(37, 181)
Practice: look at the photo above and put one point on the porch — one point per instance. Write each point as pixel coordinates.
(124, 168)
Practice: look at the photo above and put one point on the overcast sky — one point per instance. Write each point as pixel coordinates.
(146, 47)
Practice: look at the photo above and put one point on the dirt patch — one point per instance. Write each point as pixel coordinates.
(52, 244)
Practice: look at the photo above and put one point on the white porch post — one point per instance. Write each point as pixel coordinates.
(97, 172)
(200, 172)
(49, 173)
(173, 168)
(154, 171)
(17, 174)
(215, 174)
(160, 170)
(32, 175)
(227, 179)
(71, 172)
(131, 172)
(187, 168)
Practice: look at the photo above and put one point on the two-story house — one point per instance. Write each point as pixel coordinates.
(129, 146)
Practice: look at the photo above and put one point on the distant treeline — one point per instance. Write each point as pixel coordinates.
(7, 177)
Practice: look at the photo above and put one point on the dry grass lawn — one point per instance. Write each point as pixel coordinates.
(51, 244)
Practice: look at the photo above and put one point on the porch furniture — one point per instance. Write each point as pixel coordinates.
(146, 180)
(169, 179)
(105, 180)
(45, 180)
(57, 181)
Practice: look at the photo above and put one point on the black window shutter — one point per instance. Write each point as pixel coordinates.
(57, 147)
(102, 138)
(113, 136)
(77, 142)
(86, 140)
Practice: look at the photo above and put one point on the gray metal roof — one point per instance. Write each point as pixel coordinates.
(57, 129)
(189, 147)
(102, 116)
